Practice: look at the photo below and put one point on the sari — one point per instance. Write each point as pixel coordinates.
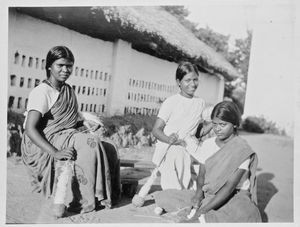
(242, 204)
(92, 170)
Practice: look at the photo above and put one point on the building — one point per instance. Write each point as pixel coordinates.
(125, 57)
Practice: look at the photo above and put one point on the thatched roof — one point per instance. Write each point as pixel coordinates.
(150, 29)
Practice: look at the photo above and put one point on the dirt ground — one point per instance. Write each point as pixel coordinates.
(275, 189)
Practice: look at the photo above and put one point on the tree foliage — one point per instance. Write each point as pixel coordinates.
(181, 13)
(238, 56)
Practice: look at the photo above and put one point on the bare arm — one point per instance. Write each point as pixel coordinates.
(32, 130)
(158, 132)
(223, 194)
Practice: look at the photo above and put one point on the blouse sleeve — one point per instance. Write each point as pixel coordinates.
(165, 110)
(37, 100)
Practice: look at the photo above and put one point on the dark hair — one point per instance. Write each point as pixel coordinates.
(227, 111)
(185, 68)
(55, 53)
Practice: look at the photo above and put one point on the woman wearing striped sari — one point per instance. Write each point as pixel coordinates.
(52, 136)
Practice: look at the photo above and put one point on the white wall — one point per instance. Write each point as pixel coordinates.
(154, 78)
(33, 38)
(154, 81)
(270, 88)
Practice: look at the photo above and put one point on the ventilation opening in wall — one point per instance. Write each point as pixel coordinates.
(92, 74)
(29, 83)
(36, 83)
(26, 102)
(17, 58)
(21, 81)
(43, 65)
(13, 80)
(30, 62)
(37, 62)
(11, 101)
(76, 71)
(19, 102)
(23, 60)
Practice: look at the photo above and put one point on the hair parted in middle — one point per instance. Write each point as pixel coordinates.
(55, 53)
(185, 68)
(227, 111)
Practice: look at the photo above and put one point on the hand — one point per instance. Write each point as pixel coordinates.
(65, 154)
(180, 142)
(91, 125)
(197, 199)
(173, 140)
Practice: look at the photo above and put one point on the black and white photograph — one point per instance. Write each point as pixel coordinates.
(150, 112)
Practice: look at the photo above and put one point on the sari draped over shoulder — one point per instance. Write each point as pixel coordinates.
(242, 206)
(91, 164)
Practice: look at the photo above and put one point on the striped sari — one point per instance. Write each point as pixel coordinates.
(92, 172)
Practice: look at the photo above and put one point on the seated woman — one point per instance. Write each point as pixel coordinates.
(226, 189)
(51, 136)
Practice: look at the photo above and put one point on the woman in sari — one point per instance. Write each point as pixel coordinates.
(177, 120)
(226, 189)
(51, 137)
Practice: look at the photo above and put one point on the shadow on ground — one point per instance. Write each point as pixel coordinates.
(127, 198)
(265, 191)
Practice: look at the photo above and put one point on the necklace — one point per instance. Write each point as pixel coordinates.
(52, 85)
